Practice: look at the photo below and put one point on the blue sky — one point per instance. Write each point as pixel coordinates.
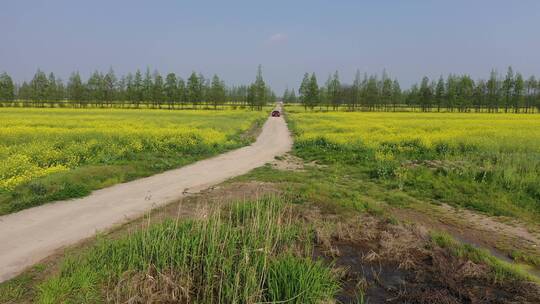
(407, 38)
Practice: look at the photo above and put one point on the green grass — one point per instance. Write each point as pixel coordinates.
(524, 257)
(335, 189)
(299, 280)
(14, 290)
(23, 286)
(469, 185)
(251, 252)
(501, 271)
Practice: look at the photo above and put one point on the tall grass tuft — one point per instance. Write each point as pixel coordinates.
(246, 253)
(299, 280)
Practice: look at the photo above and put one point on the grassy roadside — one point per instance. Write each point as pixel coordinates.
(247, 252)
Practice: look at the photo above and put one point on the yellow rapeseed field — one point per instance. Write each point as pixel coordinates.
(37, 142)
(501, 132)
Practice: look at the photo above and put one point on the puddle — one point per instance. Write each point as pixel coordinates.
(383, 281)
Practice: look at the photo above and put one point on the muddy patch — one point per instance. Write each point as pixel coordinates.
(396, 263)
(374, 282)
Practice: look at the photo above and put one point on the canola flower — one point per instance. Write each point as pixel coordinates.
(38, 142)
(494, 132)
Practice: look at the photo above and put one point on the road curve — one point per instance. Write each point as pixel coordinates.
(28, 236)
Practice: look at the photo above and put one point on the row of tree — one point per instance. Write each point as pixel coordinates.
(133, 90)
(453, 93)
(510, 93)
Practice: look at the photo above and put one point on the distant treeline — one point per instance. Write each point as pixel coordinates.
(510, 93)
(133, 90)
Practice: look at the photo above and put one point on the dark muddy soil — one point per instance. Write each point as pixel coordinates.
(374, 281)
(386, 263)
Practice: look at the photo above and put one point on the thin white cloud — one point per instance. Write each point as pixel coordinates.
(277, 38)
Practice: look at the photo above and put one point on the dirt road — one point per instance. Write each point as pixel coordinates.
(28, 236)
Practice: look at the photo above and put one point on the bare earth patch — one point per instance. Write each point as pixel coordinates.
(510, 227)
(288, 162)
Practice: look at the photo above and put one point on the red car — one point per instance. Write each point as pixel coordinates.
(276, 114)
